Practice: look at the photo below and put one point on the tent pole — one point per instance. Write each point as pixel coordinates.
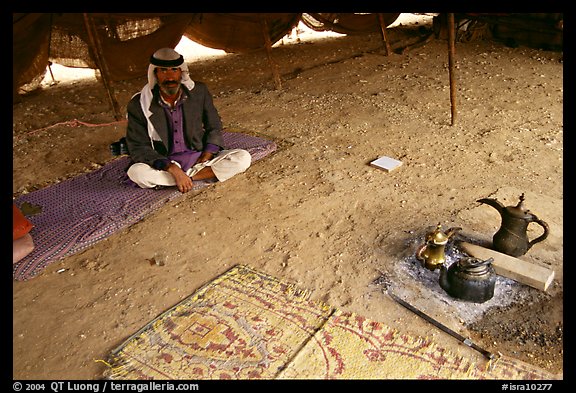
(268, 44)
(49, 47)
(96, 47)
(51, 73)
(451, 50)
(384, 34)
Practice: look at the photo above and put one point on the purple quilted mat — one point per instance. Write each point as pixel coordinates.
(79, 212)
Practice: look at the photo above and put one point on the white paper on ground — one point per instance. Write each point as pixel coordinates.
(386, 163)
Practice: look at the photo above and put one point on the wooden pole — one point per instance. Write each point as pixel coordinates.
(51, 73)
(384, 34)
(524, 272)
(268, 44)
(451, 50)
(96, 47)
(49, 47)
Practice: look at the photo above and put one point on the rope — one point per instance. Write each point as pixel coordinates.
(76, 123)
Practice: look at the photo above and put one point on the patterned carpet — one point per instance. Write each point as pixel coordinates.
(248, 325)
(79, 212)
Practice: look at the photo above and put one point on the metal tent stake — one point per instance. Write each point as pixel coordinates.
(442, 327)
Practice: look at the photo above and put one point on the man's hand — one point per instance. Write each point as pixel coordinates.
(183, 181)
(205, 156)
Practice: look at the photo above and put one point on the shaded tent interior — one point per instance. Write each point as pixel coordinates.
(119, 45)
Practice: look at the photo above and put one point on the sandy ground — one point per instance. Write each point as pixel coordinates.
(314, 212)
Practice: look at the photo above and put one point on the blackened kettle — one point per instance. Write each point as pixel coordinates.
(469, 279)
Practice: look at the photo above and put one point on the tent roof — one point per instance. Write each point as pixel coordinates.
(123, 42)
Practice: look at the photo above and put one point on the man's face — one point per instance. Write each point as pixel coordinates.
(169, 79)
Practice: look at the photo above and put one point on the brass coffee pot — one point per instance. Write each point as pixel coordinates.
(512, 238)
(432, 253)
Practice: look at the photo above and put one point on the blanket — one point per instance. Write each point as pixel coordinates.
(79, 212)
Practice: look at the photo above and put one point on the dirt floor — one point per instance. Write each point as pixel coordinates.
(314, 213)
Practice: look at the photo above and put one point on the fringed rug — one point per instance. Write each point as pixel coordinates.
(248, 325)
(79, 212)
(242, 325)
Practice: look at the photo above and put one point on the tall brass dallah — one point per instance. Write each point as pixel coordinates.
(512, 237)
(432, 253)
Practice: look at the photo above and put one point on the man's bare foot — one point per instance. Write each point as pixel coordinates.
(204, 174)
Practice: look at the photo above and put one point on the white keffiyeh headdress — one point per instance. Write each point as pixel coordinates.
(165, 57)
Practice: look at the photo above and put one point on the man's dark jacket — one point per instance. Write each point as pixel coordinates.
(202, 124)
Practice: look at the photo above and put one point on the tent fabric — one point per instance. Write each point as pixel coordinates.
(120, 44)
(239, 32)
(126, 43)
(123, 42)
(347, 23)
(30, 43)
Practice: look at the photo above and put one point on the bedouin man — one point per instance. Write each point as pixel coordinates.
(174, 133)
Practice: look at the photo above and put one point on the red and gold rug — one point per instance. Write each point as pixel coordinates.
(246, 324)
